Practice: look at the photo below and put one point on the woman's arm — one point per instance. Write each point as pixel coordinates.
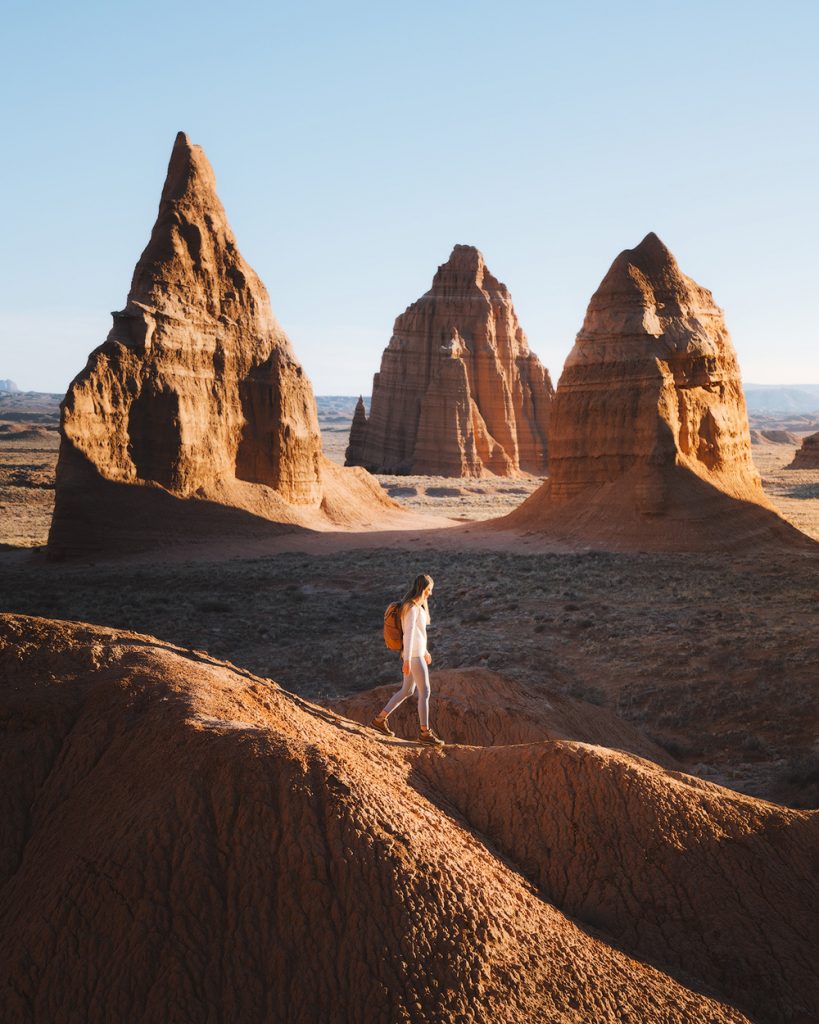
(410, 628)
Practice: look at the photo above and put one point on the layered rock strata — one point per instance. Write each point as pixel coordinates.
(459, 392)
(195, 394)
(216, 847)
(648, 440)
(807, 456)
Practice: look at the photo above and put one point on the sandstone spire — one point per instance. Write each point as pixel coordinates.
(649, 426)
(459, 392)
(358, 431)
(196, 390)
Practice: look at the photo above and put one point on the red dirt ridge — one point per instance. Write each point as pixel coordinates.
(185, 841)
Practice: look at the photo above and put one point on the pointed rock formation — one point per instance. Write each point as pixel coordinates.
(648, 441)
(358, 431)
(807, 456)
(196, 392)
(459, 392)
(185, 841)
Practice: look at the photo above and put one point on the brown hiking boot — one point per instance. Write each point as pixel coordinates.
(430, 738)
(381, 725)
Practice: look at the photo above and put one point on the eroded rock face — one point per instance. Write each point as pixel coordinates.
(807, 457)
(198, 835)
(649, 424)
(196, 389)
(459, 392)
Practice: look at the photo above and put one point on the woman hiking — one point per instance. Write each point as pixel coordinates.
(416, 657)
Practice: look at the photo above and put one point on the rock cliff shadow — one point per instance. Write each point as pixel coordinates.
(111, 520)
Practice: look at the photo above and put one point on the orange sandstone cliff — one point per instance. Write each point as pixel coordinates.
(459, 392)
(196, 396)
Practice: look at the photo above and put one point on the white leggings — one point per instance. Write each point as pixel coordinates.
(418, 674)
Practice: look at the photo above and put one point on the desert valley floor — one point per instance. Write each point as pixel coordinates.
(620, 829)
(664, 641)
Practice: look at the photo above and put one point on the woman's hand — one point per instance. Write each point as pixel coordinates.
(405, 668)
(428, 658)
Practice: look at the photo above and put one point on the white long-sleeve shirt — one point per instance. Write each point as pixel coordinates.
(414, 622)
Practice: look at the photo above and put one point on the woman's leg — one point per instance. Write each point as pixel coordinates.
(420, 673)
(399, 696)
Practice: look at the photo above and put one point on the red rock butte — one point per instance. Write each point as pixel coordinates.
(194, 416)
(649, 444)
(183, 840)
(459, 392)
(807, 455)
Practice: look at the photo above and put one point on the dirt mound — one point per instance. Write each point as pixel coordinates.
(25, 432)
(674, 869)
(484, 708)
(649, 446)
(183, 840)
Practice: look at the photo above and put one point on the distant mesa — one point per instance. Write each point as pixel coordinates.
(8, 387)
(649, 444)
(807, 456)
(459, 392)
(219, 849)
(195, 404)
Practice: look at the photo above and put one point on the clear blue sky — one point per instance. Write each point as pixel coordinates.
(354, 144)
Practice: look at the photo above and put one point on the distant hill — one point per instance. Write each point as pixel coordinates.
(784, 398)
(337, 410)
(30, 407)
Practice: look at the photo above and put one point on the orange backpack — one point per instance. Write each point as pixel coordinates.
(393, 630)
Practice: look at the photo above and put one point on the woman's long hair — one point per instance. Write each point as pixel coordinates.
(419, 585)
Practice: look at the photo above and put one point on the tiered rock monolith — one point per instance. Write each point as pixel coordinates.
(807, 456)
(648, 441)
(195, 394)
(459, 392)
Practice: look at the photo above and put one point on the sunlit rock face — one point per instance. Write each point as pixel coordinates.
(459, 392)
(196, 389)
(648, 439)
(652, 380)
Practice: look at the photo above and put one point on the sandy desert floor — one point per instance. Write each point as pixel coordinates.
(671, 643)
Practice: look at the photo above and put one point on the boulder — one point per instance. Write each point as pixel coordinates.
(459, 392)
(649, 443)
(196, 396)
